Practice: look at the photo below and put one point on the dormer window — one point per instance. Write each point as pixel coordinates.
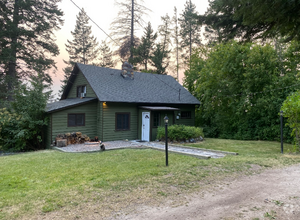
(80, 91)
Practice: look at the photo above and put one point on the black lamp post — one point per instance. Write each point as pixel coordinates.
(281, 129)
(166, 119)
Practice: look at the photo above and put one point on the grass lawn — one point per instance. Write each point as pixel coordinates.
(40, 183)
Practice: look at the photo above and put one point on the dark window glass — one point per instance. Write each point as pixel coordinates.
(72, 120)
(186, 115)
(76, 120)
(80, 89)
(122, 121)
(80, 120)
(156, 119)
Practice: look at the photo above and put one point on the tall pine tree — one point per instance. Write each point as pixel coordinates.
(160, 57)
(27, 44)
(83, 48)
(190, 30)
(125, 24)
(175, 36)
(142, 54)
(105, 56)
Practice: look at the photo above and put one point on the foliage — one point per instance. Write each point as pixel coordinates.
(124, 25)
(105, 56)
(241, 88)
(82, 49)
(196, 63)
(250, 20)
(175, 36)
(21, 125)
(160, 56)
(189, 29)
(180, 132)
(158, 59)
(291, 110)
(27, 40)
(142, 54)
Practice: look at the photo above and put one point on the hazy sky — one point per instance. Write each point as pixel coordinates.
(103, 13)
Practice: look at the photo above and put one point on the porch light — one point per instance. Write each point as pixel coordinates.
(166, 119)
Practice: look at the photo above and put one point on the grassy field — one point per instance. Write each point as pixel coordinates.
(40, 183)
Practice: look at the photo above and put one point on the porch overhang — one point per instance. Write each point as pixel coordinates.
(159, 108)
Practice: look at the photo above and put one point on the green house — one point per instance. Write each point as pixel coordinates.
(113, 105)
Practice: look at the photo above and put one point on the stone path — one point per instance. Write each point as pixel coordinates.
(111, 145)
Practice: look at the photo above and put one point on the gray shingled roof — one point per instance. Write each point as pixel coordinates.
(66, 103)
(110, 86)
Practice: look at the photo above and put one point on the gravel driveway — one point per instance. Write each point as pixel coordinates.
(110, 145)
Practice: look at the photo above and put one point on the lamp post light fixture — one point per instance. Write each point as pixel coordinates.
(166, 119)
(281, 130)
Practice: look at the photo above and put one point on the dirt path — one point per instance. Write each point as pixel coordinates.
(273, 194)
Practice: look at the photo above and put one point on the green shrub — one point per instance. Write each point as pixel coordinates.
(291, 110)
(22, 123)
(180, 132)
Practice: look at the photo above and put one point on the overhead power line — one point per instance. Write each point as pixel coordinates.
(95, 23)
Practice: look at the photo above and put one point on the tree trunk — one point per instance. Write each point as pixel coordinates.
(132, 29)
(11, 75)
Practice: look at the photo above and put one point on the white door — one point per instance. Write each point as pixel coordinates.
(146, 126)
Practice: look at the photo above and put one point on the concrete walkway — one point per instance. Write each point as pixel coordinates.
(111, 145)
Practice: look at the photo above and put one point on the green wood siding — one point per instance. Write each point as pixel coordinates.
(60, 120)
(109, 117)
(188, 122)
(100, 120)
(79, 81)
(48, 133)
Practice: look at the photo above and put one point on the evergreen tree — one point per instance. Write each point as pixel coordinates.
(105, 56)
(27, 44)
(143, 52)
(175, 36)
(158, 59)
(82, 49)
(249, 20)
(190, 30)
(123, 27)
(165, 32)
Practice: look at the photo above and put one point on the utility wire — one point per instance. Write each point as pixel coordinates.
(95, 23)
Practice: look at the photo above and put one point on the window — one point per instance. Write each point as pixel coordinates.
(80, 89)
(76, 120)
(122, 121)
(156, 119)
(186, 115)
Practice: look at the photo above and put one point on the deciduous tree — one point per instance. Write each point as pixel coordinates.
(241, 88)
(291, 110)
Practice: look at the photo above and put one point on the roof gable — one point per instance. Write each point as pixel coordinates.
(110, 86)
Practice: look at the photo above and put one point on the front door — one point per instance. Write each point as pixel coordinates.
(146, 126)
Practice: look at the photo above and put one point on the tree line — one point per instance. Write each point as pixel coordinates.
(149, 53)
(244, 69)
(248, 71)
